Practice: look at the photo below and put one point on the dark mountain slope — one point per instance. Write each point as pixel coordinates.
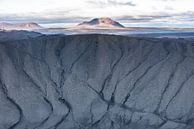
(97, 82)
(17, 35)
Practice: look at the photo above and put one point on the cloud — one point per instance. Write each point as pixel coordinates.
(141, 18)
(130, 11)
(113, 2)
(109, 3)
(16, 19)
(160, 20)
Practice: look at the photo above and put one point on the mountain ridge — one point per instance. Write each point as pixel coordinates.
(20, 26)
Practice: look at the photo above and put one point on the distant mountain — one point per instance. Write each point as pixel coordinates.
(101, 23)
(19, 26)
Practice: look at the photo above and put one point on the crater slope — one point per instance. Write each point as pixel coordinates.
(97, 82)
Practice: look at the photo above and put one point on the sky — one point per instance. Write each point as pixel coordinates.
(151, 13)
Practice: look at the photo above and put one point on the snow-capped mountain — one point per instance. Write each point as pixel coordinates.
(19, 26)
(101, 23)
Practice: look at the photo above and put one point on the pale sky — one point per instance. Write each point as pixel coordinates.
(130, 12)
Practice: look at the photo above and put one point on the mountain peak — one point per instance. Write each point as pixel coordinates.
(29, 24)
(103, 22)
